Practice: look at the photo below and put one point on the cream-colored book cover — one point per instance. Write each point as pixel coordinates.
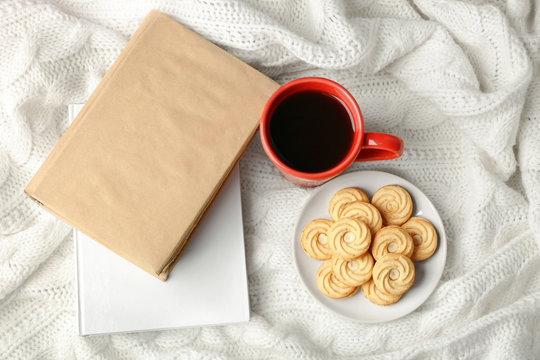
(153, 145)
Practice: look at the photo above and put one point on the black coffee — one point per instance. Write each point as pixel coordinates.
(311, 131)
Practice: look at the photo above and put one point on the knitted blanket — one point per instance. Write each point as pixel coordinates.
(459, 81)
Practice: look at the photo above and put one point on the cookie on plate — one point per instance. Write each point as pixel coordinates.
(329, 285)
(343, 197)
(314, 239)
(376, 296)
(365, 212)
(394, 274)
(391, 239)
(348, 238)
(424, 237)
(394, 203)
(353, 272)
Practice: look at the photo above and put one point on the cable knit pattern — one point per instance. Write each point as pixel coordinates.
(459, 81)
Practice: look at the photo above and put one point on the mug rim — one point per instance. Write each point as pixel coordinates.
(302, 84)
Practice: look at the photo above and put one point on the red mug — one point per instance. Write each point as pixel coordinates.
(364, 147)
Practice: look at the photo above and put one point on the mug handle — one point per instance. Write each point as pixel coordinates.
(380, 146)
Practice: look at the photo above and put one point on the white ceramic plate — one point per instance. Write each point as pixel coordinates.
(357, 307)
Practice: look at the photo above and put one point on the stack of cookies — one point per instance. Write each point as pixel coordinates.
(369, 244)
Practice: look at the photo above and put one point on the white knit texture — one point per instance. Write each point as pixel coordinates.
(458, 81)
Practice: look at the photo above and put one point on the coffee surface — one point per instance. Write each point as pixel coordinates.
(311, 131)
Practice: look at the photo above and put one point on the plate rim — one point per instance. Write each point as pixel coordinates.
(294, 248)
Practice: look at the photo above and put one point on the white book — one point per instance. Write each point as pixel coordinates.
(208, 285)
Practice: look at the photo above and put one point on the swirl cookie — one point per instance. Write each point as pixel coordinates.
(343, 197)
(314, 239)
(376, 296)
(353, 272)
(365, 212)
(329, 285)
(424, 237)
(348, 238)
(392, 239)
(394, 274)
(394, 203)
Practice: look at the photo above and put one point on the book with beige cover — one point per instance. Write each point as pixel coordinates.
(153, 145)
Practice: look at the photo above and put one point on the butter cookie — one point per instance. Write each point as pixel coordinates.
(314, 239)
(394, 274)
(376, 296)
(348, 238)
(424, 237)
(353, 272)
(365, 212)
(394, 203)
(329, 285)
(343, 197)
(391, 239)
